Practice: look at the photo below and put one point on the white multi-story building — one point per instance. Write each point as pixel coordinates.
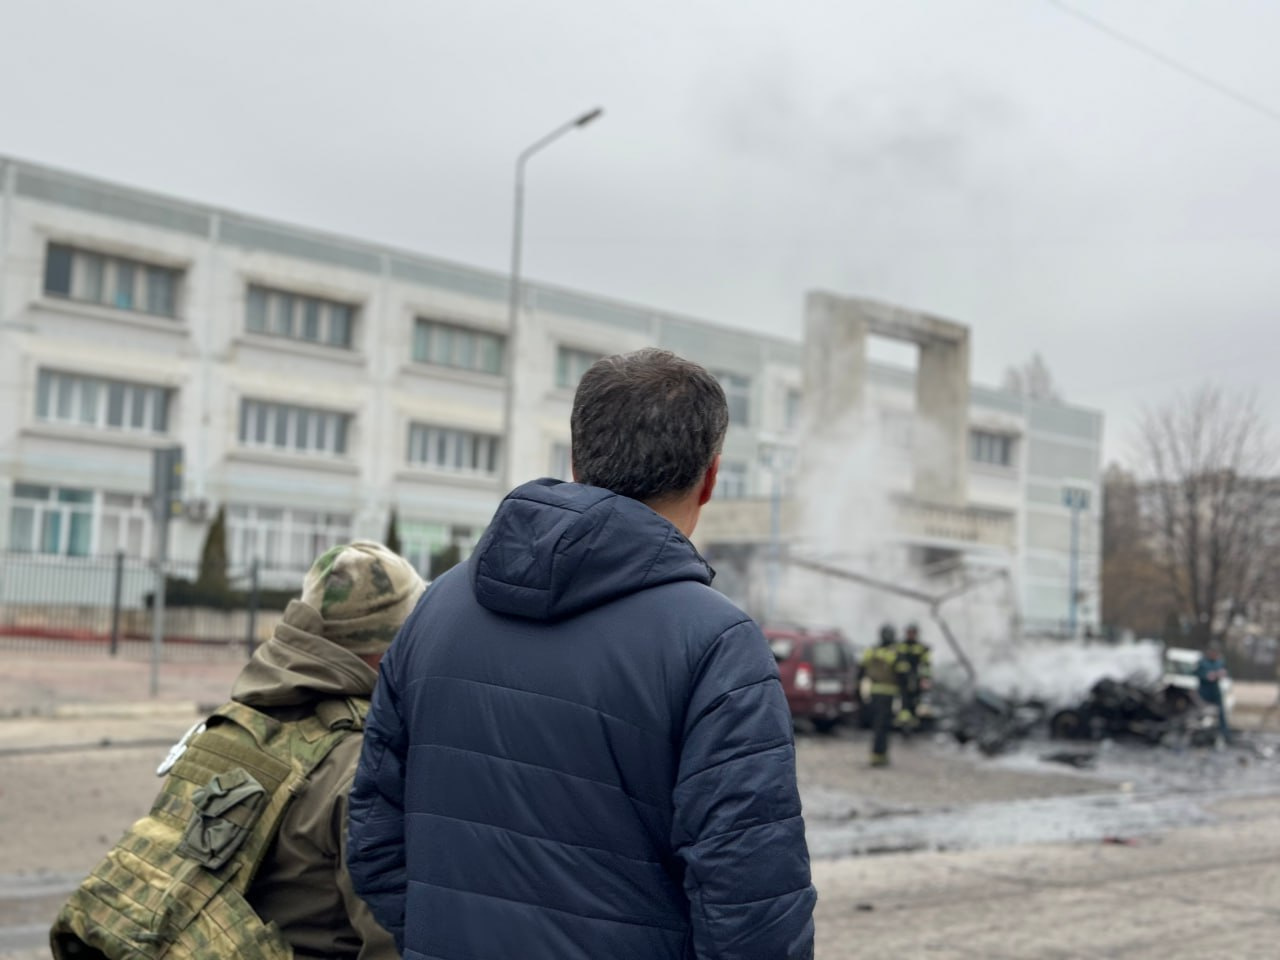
(316, 382)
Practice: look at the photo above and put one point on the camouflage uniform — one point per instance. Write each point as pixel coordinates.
(251, 860)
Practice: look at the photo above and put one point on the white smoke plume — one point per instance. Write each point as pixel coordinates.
(849, 475)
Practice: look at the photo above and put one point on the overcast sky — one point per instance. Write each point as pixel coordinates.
(993, 161)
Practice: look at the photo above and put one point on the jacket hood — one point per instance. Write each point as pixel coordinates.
(556, 549)
(299, 666)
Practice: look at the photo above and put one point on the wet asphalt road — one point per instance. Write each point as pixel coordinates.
(938, 796)
(61, 808)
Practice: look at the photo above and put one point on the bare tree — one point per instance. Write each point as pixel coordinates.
(1135, 589)
(1032, 380)
(1211, 503)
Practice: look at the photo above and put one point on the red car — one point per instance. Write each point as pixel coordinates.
(819, 674)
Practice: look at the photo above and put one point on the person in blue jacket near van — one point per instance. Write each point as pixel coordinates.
(1212, 670)
(577, 748)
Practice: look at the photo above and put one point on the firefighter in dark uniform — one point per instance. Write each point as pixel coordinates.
(879, 666)
(914, 668)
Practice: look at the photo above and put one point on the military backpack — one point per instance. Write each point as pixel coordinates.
(175, 885)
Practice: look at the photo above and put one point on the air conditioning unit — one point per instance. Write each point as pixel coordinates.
(197, 511)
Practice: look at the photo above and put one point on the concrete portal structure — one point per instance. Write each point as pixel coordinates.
(836, 333)
(882, 480)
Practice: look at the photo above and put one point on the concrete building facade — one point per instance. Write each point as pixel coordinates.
(315, 382)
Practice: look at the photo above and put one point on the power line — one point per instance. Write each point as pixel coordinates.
(1244, 100)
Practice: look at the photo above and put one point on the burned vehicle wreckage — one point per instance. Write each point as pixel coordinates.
(1111, 710)
(1126, 709)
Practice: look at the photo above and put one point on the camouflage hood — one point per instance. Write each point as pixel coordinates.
(299, 666)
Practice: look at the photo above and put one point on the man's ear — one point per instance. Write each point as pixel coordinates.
(709, 482)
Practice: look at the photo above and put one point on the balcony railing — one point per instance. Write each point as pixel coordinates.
(943, 523)
(748, 520)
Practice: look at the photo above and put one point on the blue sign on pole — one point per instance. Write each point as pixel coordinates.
(1075, 498)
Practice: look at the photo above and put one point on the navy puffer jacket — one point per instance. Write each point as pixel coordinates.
(578, 749)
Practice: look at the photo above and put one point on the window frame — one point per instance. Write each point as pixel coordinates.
(100, 278)
(146, 401)
(737, 391)
(70, 509)
(992, 448)
(438, 342)
(453, 450)
(286, 539)
(792, 408)
(734, 480)
(292, 429)
(572, 363)
(285, 314)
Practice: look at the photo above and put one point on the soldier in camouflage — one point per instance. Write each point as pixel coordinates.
(244, 851)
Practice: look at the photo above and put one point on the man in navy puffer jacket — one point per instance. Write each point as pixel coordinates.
(577, 748)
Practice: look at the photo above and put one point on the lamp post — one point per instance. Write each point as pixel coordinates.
(513, 307)
(1076, 500)
(776, 457)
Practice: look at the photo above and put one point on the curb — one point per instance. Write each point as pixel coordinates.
(128, 708)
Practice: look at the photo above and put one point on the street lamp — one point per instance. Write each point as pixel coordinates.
(1074, 499)
(513, 307)
(777, 457)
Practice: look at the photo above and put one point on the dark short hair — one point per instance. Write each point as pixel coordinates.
(647, 424)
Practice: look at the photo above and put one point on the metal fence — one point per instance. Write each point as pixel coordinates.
(1253, 659)
(106, 603)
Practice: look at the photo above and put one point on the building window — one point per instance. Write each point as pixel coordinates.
(76, 523)
(732, 480)
(94, 402)
(992, 448)
(51, 520)
(737, 392)
(791, 410)
(571, 364)
(278, 313)
(450, 345)
(282, 426)
(281, 538)
(561, 462)
(457, 451)
(431, 547)
(111, 281)
(125, 524)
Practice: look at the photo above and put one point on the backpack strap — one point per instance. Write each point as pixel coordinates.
(279, 755)
(307, 743)
(345, 714)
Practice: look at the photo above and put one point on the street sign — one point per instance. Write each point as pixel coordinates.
(1074, 498)
(166, 483)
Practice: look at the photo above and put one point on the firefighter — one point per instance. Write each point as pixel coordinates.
(914, 668)
(879, 666)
